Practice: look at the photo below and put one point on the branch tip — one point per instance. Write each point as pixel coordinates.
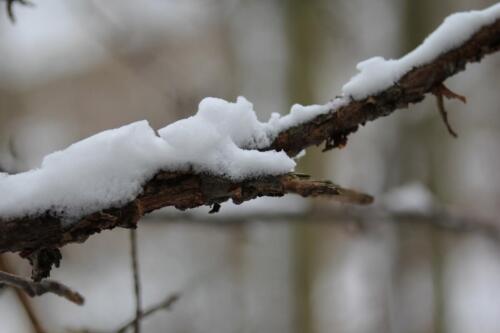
(324, 188)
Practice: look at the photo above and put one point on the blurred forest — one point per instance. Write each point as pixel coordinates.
(69, 69)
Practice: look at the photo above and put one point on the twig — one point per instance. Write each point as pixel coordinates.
(136, 277)
(446, 92)
(442, 91)
(166, 304)
(444, 115)
(25, 302)
(39, 288)
(9, 4)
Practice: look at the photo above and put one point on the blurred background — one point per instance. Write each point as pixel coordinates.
(69, 69)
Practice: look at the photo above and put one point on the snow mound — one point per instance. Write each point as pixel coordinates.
(109, 169)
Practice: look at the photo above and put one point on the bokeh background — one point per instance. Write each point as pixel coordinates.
(69, 69)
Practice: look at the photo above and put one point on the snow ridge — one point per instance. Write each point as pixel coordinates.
(377, 74)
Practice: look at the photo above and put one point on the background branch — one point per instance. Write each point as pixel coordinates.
(444, 218)
(166, 305)
(24, 300)
(40, 288)
(136, 278)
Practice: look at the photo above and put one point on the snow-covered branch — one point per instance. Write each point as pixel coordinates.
(383, 86)
(223, 152)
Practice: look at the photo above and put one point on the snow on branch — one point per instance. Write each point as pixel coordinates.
(223, 152)
(383, 86)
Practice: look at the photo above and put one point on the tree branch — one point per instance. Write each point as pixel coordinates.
(166, 305)
(188, 190)
(136, 279)
(334, 127)
(181, 190)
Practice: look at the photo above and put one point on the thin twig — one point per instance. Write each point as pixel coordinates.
(166, 304)
(25, 302)
(39, 288)
(446, 92)
(137, 282)
(444, 115)
(9, 4)
(442, 91)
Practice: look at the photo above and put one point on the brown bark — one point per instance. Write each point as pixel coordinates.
(181, 190)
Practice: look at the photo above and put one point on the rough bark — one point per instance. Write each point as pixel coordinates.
(182, 190)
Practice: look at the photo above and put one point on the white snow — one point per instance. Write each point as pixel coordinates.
(212, 141)
(109, 168)
(376, 74)
(300, 114)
